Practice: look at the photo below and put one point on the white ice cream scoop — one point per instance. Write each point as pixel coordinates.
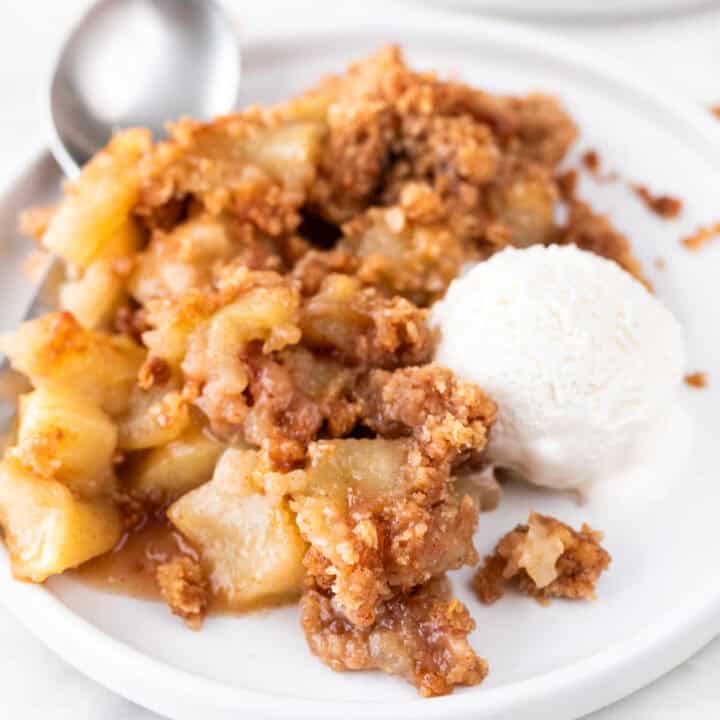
(581, 359)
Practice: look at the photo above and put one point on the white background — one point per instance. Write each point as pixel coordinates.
(680, 52)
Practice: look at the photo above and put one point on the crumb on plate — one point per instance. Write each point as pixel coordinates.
(591, 160)
(545, 558)
(702, 236)
(665, 206)
(696, 380)
(185, 588)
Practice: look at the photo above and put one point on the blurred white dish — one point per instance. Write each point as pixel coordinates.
(661, 599)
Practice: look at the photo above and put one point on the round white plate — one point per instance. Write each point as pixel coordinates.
(659, 602)
(579, 9)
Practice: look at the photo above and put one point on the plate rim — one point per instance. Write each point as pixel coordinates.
(616, 669)
(563, 12)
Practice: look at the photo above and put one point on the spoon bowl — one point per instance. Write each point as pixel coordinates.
(140, 63)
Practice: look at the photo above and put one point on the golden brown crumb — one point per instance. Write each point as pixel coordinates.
(486, 159)
(715, 110)
(696, 380)
(666, 206)
(489, 581)
(591, 160)
(420, 538)
(701, 237)
(448, 418)
(544, 559)
(185, 588)
(660, 264)
(421, 635)
(214, 165)
(34, 221)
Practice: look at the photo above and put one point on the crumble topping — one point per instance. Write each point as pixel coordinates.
(411, 524)
(420, 635)
(185, 588)
(696, 380)
(543, 559)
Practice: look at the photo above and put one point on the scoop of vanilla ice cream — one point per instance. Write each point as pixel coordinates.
(581, 359)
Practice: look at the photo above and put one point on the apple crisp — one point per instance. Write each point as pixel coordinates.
(543, 559)
(242, 353)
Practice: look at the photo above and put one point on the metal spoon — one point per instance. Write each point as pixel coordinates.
(131, 63)
(140, 63)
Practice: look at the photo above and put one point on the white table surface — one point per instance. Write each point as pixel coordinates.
(682, 52)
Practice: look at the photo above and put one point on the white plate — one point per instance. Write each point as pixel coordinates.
(579, 9)
(661, 599)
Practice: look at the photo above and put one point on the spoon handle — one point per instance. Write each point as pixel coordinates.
(43, 301)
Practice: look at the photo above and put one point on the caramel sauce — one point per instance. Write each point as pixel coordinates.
(129, 568)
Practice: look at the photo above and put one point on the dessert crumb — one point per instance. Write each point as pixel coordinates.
(185, 588)
(660, 264)
(543, 559)
(701, 237)
(696, 380)
(665, 206)
(591, 160)
(715, 110)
